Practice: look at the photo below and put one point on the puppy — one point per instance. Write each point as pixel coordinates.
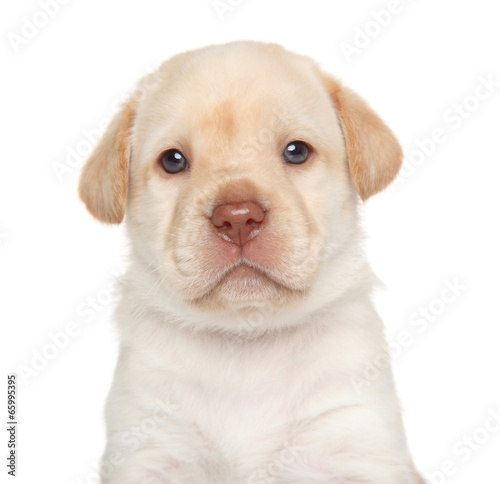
(245, 319)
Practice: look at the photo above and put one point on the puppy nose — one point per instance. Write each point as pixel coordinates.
(238, 222)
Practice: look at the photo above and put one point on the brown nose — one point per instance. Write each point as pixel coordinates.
(238, 222)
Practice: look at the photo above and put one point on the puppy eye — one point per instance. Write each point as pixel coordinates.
(173, 161)
(296, 153)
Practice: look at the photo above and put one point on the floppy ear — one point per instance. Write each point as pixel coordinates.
(373, 152)
(104, 179)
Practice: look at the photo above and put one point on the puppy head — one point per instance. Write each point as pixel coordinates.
(238, 168)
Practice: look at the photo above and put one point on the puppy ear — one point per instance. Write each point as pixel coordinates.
(373, 152)
(104, 179)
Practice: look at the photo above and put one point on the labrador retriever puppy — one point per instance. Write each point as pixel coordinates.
(245, 319)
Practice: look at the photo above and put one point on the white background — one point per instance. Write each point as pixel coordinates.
(438, 225)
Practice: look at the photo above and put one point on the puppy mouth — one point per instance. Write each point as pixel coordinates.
(243, 284)
(245, 271)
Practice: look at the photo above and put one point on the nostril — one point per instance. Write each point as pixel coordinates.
(238, 222)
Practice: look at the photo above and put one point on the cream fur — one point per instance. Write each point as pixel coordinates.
(246, 380)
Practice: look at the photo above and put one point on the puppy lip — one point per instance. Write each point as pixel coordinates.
(243, 267)
(263, 272)
(243, 270)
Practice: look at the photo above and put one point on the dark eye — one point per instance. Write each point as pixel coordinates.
(173, 161)
(296, 153)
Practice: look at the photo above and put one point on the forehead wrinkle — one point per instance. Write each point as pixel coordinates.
(218, 122)
(225, 128)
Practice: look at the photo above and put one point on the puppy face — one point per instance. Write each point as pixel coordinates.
(238, 168)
